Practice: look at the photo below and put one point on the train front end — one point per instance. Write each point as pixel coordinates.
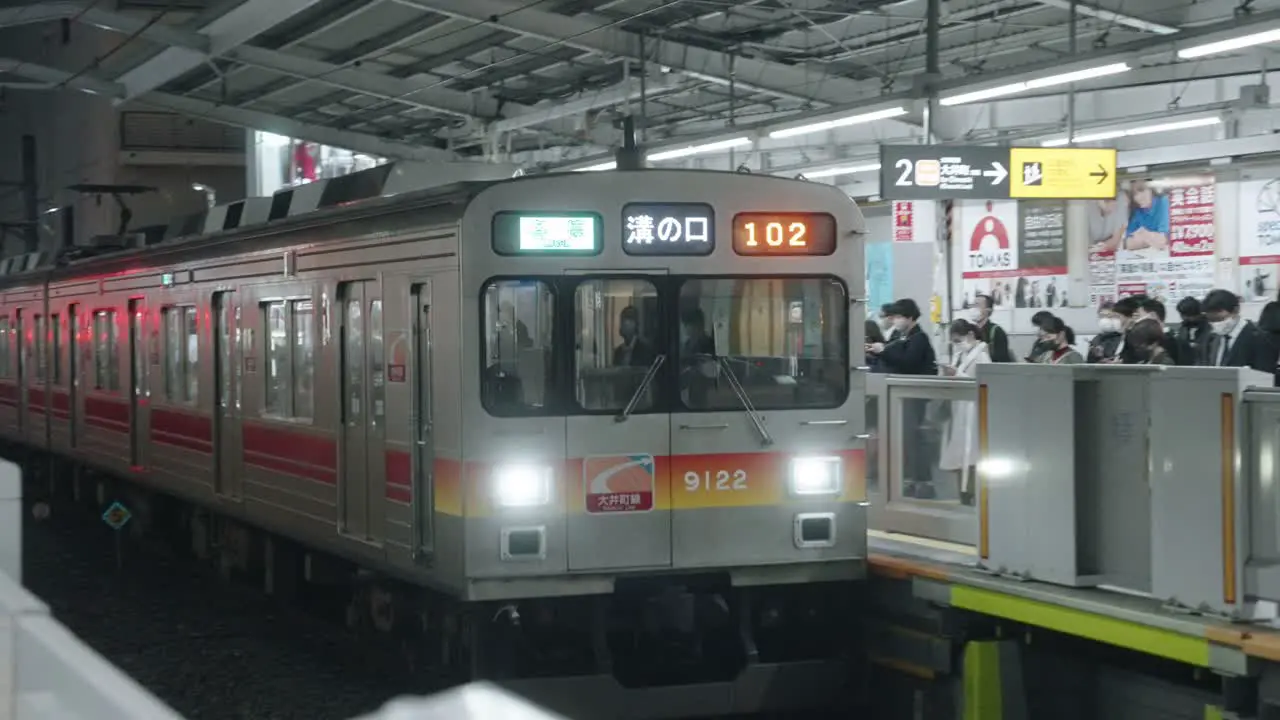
(662, 478)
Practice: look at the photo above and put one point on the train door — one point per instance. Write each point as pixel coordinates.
(618, 429)
(227, 370)
(423, 418)
(362, 482)
(73, 376)
(139, 393)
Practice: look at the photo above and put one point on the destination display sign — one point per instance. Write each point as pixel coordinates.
(947, 172)
(538, 233)
(784, 234)
(668, 229)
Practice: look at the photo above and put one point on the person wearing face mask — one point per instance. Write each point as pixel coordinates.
(886, 322)
(909, 352)
(634, 351)
(960, 434)
(1113, 320)
(1193, 331)
(1234, 342)
(1058, 338)
(1039, 347)
(994, 336)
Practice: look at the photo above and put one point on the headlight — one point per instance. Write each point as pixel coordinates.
(816, 475)
(522, 485)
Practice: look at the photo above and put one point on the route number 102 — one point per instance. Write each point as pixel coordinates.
(715, 480)
(775, 235)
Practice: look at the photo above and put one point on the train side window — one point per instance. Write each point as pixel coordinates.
(38, 340)
(303, 359)
(55, 327)
(181, 354)
(618, 337)
(278, 367)
(377, 363)
(106, 361)
(517, 317)
(290, 366)
(785, 340)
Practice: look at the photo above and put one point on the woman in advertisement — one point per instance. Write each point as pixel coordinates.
(1148, 219)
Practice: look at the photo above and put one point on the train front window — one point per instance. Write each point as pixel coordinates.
(618, 337)
(518, 319)
(784, 339)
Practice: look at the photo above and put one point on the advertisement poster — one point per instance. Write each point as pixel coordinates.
(879, 276)
(1156, 238)
(1259, 239)
(1014, 252)
(904, 213)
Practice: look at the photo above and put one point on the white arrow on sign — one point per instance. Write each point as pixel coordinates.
(997, 172)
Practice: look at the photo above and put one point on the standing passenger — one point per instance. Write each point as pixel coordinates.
(960, 436)
(1193, 332)
(1058, 338)
(909, 352)
(994, 336)
(1235, 342)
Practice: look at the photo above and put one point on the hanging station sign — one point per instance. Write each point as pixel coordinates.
(978, 172)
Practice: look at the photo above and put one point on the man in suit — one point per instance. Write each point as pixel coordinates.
(1235, 342)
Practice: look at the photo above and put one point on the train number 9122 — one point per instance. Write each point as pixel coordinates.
(715, 480)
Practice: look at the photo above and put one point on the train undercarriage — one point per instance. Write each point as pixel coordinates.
(667, 646)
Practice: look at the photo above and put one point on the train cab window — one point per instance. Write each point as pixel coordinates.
(618, 339)
(182, 354)
(517, 317)
(783, 342)
(106, 361)
(290, 361)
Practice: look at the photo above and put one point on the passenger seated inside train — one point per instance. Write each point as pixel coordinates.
(1147, 342)
(1058, 338)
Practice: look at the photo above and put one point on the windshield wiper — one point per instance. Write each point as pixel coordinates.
(756, 418)
(649, 375)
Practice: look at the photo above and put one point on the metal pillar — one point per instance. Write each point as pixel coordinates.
(932, 64)
(1071, 92)
(30, 194)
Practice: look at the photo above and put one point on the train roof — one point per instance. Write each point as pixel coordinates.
(395, 187)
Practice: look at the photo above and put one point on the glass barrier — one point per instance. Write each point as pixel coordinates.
(922, 456)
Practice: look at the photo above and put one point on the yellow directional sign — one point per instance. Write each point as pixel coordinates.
(1062, 173)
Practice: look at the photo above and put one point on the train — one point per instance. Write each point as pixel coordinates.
(597, 436)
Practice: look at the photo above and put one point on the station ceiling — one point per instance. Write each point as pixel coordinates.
(434, 78)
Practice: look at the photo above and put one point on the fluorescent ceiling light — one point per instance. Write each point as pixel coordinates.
(839, 122)
(1222, 46)
(1112, 17)
(847, 170)
(1036, 84)
(697, 149)
(1131, 132)
(602, 166)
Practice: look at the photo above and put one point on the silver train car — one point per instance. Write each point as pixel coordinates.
(598, 435)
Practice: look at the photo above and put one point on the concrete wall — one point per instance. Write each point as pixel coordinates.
(78, 141)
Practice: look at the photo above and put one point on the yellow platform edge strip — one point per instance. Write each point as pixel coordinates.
(982, 682)
(1099, 628)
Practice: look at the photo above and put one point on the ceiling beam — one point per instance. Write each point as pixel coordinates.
(227, 115)
(231, 30)
(87, 14)
(256, 120)
(595, 34)
(1111, 16)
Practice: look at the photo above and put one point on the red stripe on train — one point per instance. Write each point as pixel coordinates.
(182, 424)
(108, 409)
(399, 475)
(288, 467)
(291, 446)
